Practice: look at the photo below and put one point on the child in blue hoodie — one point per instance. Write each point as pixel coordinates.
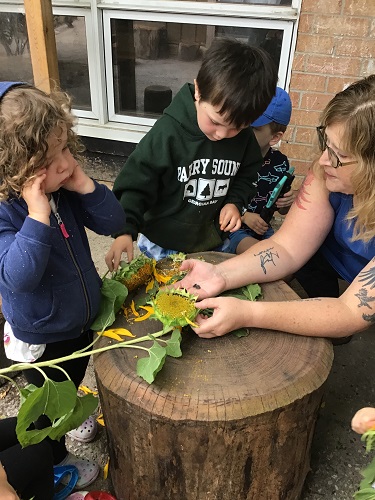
(48, 282)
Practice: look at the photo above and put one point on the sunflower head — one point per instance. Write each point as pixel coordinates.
(167, 270)
(136, 273)
(175, 307)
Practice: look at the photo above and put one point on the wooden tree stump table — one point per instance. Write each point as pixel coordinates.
(232, 419)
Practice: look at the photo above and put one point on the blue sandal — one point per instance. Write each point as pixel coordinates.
(60, 472)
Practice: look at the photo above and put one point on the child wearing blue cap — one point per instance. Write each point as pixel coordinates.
(269, 128)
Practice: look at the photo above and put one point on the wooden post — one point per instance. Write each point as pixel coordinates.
(232, 419)
(40, 29)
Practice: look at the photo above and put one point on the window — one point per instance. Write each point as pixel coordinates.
(124, 60)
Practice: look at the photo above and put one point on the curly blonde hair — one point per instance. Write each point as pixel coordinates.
(27, 118)
(354, 108)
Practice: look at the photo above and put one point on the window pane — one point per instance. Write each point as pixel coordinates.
(15, 62)
(152, 60)
(70, 33)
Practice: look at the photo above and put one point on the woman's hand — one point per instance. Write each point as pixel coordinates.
(228, 315)
(203, 279)
(364, 420)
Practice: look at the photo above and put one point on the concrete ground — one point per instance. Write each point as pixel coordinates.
(337, 455)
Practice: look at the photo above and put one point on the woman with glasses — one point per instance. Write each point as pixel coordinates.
(334, 213)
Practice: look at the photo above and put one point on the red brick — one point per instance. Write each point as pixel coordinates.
(306, 23)
(299, 151)
(332, 65)
(305, 118)
(299, 62)
(295, 97)
(359, 8)
(355, 47)
(314, 44)
(318, 6)
(305, 135)
(341, 26)
(315, 101)
(304, 81)
(336, 84)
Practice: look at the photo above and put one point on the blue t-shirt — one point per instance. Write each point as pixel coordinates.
(347, 257)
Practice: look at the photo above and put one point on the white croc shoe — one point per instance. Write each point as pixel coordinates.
(88, 470)
(86, 432)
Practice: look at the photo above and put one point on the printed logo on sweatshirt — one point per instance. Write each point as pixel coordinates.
(204, 191)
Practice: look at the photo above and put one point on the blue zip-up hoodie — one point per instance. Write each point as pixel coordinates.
(48, 282)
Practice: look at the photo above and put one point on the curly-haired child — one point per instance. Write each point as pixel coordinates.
(48, 282)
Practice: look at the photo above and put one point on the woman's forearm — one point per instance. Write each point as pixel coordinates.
(320, 317)
(264, 262)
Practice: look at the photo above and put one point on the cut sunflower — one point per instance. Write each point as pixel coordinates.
(167, 270)
(136, 273)
(175, 307)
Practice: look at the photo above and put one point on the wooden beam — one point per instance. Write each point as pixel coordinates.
(40, 29)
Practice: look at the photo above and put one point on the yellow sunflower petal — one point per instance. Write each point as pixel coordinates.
(160, 277)
(100, 419)
(147, 308)
(122, 332)
(105, 470)
(87, 390)
(150, 311)
(190, 322)
(132, 306)
(150, 285)
(110, 334)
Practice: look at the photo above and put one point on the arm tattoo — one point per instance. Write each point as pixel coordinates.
(368, 277)
(364, 299)
(302, 196)
(369, 317)
(267, 256)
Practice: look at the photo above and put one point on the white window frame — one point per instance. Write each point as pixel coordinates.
(99, 123)
(285, 26)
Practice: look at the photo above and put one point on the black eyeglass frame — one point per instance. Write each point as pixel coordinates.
(331, 154)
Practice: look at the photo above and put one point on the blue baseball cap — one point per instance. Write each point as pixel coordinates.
(5, 86)
(278, 110)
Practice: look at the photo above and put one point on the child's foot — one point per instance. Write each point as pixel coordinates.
(86, 432)
(88, 470)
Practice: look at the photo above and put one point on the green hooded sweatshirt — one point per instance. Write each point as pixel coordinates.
(176, 181)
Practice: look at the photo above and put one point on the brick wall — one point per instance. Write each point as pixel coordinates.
(335, 46)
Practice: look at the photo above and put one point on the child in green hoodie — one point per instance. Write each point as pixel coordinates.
(185, 183)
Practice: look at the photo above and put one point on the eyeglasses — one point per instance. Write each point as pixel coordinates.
(333, 158)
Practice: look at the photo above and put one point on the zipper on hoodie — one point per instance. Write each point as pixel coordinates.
(54, 207)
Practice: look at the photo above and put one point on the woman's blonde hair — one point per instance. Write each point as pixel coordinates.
(354, 107)
(27, 118)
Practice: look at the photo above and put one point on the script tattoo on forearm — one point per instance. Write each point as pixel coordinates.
(303, 194)
(267, 256)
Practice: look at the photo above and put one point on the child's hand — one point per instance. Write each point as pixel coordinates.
(35, 196)
(123, 243)
(230, 218)
(79, 182)
(255, 222)
(363, 420)
(286, 200)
